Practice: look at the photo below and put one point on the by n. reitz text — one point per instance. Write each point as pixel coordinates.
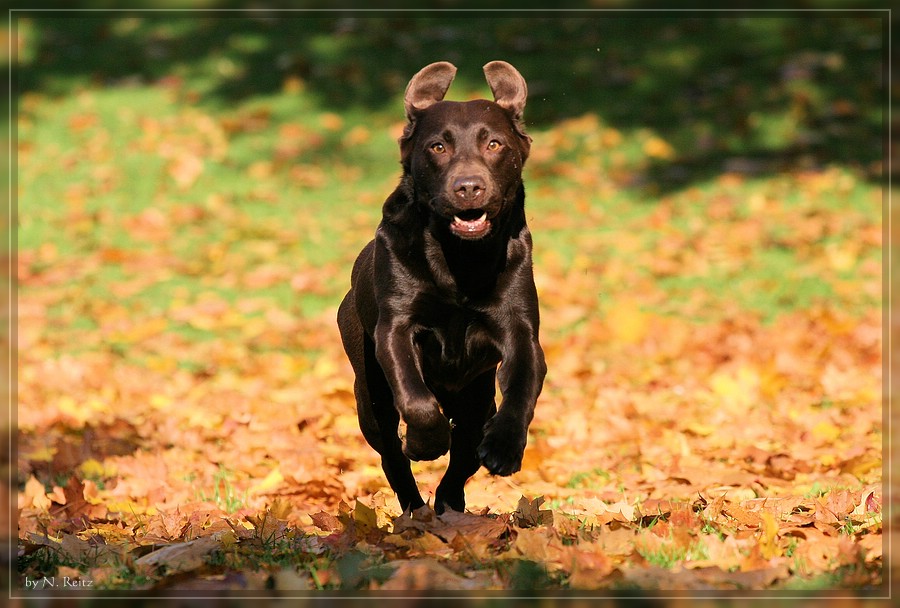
(52, 582)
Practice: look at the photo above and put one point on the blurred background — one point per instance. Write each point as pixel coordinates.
(277, 112)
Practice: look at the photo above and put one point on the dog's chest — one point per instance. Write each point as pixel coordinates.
(456, 348)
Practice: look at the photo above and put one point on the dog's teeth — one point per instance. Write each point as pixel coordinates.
(459, 220)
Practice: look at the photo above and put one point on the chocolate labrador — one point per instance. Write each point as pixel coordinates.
(442, 302)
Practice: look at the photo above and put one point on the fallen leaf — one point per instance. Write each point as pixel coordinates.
(425, 574)
(528, 513)
(182, 557)
(35, 495)
(768, 536)
(271, 481)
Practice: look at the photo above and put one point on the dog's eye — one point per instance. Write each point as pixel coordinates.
(494, 145)
(438, 148)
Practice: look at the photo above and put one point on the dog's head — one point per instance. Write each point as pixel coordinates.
(465, 158)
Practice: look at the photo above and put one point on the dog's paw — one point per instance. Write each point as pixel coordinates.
(428, 441)
(444, 501)
(502, 448)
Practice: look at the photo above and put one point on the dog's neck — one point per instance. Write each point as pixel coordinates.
(469, 268)
(473, 265)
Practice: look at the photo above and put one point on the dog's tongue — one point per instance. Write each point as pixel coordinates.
(470, 228)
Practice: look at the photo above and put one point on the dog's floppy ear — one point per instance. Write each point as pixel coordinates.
(428, 87)
(508, 87)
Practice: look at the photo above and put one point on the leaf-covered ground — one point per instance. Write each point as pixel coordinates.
(712, 417)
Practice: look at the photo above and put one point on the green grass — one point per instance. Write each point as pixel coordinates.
(224, 494)
(670, 555)
(43, 561)
(843, 577)
(589, 479)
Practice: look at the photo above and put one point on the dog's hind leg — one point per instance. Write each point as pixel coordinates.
(468, 410)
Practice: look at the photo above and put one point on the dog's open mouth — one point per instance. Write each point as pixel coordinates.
(470, 224)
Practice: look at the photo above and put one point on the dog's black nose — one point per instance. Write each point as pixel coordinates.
(468, 189)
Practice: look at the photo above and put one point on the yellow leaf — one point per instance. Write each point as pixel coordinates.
(658, 148)
(365, 517)
(698, 428)
(346, 425)
(140, 331)
(611, 138)
(768, 542)
(826, 432)
(130, 507)
(205, 419)
(93, 469)
(738, 388)
(271, 480)
(160, 402)
(325, 367)
(724, 385)
(164, 365)
(44, 454)
(828, 460)
(97, 405)
(71, 408)
(860, 465)
(627, 322)
(203, 322)
(232, 319)
(841, 258)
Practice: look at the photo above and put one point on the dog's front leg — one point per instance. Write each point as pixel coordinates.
(427, 429)
(521, 379)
